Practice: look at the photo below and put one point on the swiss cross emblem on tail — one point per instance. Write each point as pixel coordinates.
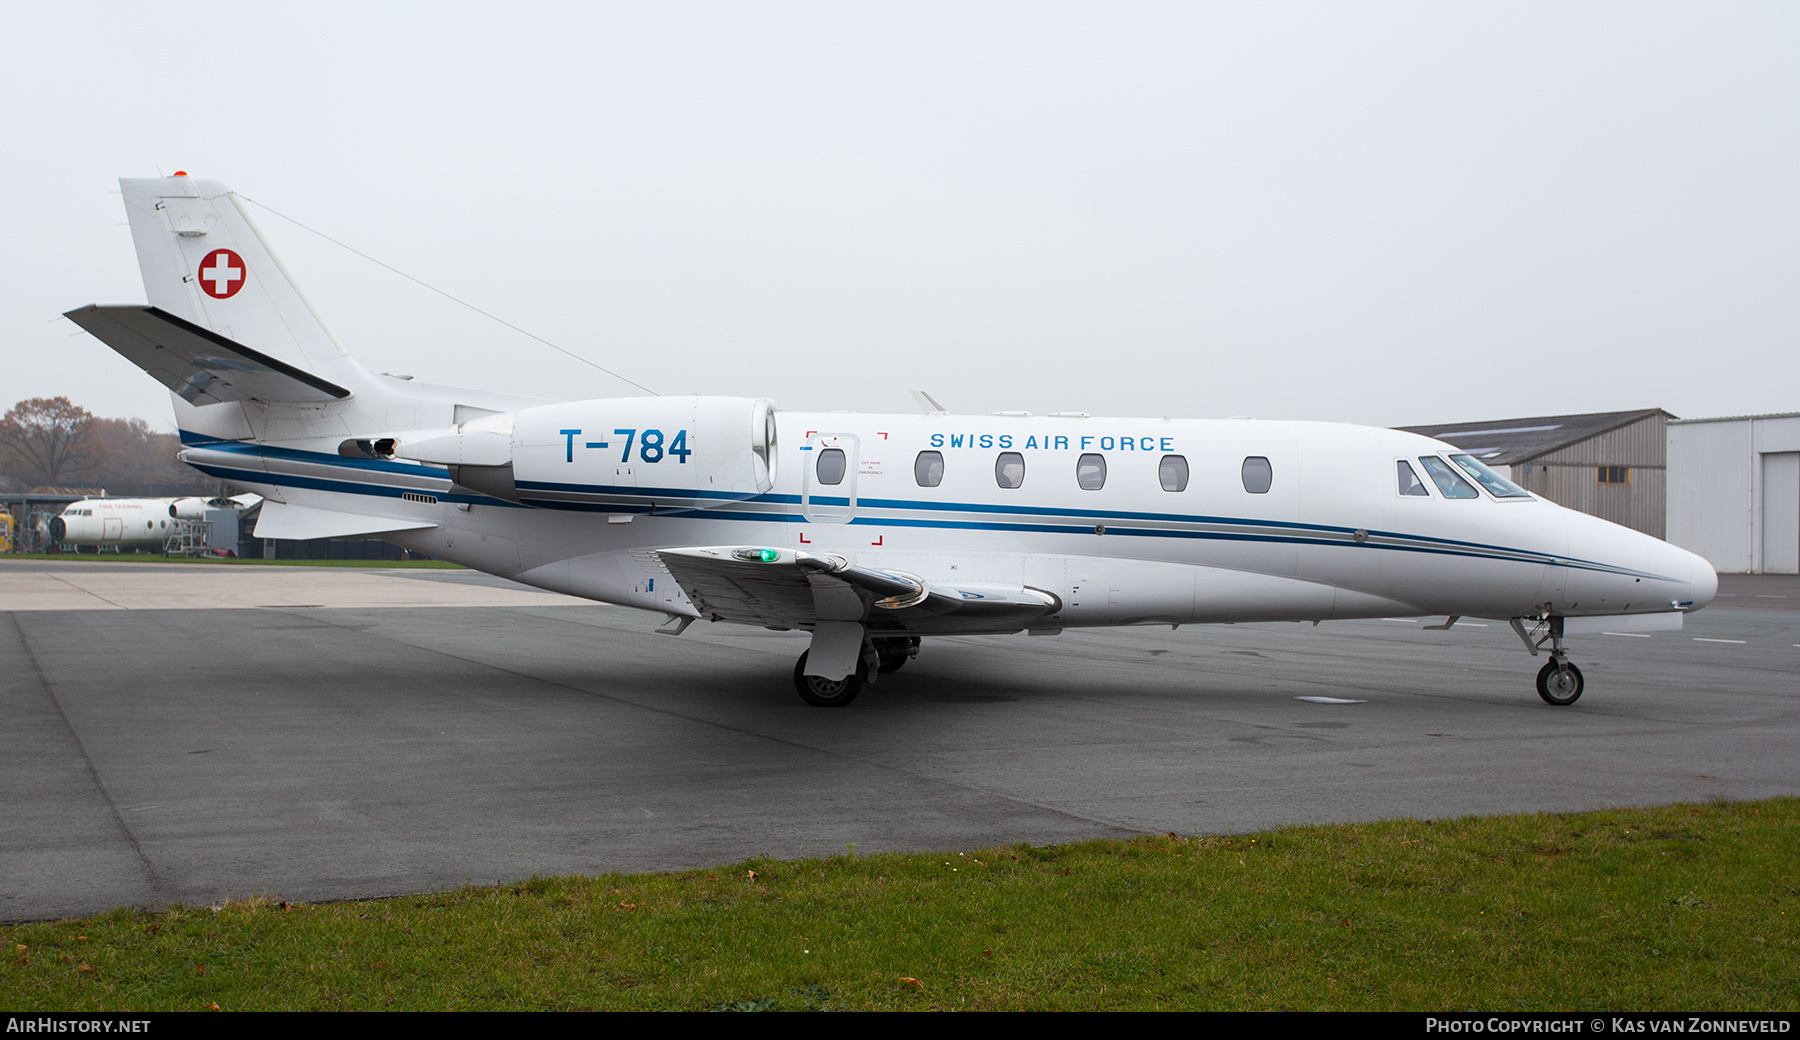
(222, 274)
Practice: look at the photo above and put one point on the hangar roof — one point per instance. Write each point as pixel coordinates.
(1506, 442)
(1739, 418)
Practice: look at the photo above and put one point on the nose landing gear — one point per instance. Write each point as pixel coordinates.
(1558, 682)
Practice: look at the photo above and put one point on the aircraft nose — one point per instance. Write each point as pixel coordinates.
(1692, 581)
(1703, 581)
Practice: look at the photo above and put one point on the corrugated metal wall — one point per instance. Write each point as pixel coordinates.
(1571, 476)
(1711, 492)
(1719, 483)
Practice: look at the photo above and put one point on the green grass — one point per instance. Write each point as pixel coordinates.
(110, 557)
(1683, 907)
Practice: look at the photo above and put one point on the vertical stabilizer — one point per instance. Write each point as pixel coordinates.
(205, 262)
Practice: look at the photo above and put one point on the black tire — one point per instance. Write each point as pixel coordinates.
(1559, 684)
(828, 693)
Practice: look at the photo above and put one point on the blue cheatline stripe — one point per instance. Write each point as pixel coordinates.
(641, 492)
(320, 458)
(1433, 546)
(1002, 509)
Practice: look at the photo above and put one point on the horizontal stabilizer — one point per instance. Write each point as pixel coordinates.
(280, 520)
(201, 366)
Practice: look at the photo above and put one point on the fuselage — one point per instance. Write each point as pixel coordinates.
(1125, 520)
(116, 522)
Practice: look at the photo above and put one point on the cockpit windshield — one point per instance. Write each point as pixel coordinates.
(1448, 481)
(1497, 485)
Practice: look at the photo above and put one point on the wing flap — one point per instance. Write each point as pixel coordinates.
(198, 364)
(793, 589)
(722, 584)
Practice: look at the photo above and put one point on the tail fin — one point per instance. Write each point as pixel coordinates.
(211, 278)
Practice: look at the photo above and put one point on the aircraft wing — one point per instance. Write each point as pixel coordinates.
(792, 589)
(201, 366)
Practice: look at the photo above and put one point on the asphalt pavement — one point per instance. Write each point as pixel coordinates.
(199, 733)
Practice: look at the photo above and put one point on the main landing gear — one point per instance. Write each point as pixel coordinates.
(895, 651)
(821, 692)
(884, 656)
(1559, 681)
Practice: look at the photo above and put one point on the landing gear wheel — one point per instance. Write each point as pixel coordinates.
(828, 693)
(1559, 683)
(895, 652)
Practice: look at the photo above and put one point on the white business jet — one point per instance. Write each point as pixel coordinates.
(868, 531)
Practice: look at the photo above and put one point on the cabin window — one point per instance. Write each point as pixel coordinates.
(1173, 473)
(1009, 469)
(1449, 484)
(1497, 485)
(830, 467)
(1410, 484)
(1259, 476)
(1090, 472)
(928, 468)
(1615, 474)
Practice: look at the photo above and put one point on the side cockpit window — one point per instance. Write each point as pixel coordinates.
(1449, 483)
(928, 468)
(1410, 484)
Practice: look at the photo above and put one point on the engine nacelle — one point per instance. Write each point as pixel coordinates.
(189, 508)
(624, 455)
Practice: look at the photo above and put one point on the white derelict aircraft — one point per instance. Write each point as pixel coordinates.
(869, 531)
(106, 523)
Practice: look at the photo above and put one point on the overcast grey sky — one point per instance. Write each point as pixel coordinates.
(1380, 213)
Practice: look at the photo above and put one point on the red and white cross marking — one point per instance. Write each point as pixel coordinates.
(222, 274)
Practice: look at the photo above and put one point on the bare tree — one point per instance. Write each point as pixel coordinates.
(127, 457)
(46, 437)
